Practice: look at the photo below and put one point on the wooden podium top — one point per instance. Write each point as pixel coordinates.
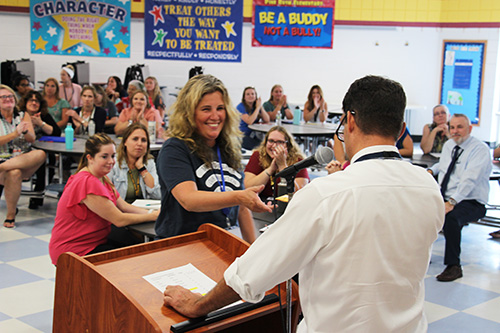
(111, 287)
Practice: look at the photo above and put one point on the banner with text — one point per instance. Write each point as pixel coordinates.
(293, 23)
(196, 30)
(81, 28)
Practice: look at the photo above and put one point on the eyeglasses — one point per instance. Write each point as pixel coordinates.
(276, 142)
(5, 97)
(439, 113)
(34, 100)
(340, 130)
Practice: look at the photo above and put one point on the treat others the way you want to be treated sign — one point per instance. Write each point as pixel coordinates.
(197, 30)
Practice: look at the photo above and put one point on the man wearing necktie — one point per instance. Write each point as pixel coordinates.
(463, 172)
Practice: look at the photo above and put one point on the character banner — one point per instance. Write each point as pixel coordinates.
(99, 28)
(197, 30)
(293, 23)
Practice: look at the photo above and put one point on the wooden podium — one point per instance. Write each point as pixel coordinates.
(105, 292)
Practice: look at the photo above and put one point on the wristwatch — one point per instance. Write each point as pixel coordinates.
(452, 201)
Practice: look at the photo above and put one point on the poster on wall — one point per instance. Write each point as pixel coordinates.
(97, 28)
(195, 30)
(293, 23)
(462, 77)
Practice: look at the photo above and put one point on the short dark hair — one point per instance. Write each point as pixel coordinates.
(379, 104)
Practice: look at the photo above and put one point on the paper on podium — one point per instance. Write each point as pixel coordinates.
(186, 276)
(147, 203)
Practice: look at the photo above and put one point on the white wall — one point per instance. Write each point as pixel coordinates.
(411, 56)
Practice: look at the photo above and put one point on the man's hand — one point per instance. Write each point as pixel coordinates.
(448, 207)
(182, 300)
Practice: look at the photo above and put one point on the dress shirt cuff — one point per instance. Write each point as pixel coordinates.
(457, 197)
(233, 280)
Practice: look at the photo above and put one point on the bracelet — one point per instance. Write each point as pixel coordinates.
(142, 169)
(267, 173)
(43, 124)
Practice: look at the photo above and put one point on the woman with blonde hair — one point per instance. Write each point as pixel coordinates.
(57, 106)
(277, 151)
(90, 205)
(277, 103)
(198, 166)
(154, 93)
(140, 111)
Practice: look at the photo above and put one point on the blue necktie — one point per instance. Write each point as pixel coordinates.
(457, 151)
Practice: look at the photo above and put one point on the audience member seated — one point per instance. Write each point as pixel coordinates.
(90, 204)
(277, 151)
(277, 103)
(405, 144)
(154, 94)
(68, 90)
(139, 112)
(115, 90)
(134, 175)
(496, 155)
(21, 86)
(18, 161)
(81, 117)
(133, 86)
(108, 106)
(251, 112)
(198, 166)
(316, 107)
(57, 107)
(43, 124)
(436, 134)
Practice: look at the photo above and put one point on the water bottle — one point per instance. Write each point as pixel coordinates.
(278, 118)
(297, 113)
(91, 127)
(152, 131)
(68, 136)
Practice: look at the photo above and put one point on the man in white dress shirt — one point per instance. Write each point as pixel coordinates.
(363, 248)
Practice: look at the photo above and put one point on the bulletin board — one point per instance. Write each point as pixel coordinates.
(462, 77)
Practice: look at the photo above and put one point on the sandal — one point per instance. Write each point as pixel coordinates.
(9, 223)
(495, 234)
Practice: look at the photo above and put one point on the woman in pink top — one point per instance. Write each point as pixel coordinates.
(67, 89)
(140, 112)
(90, 204)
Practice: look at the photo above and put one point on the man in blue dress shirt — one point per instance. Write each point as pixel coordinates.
(463, 172)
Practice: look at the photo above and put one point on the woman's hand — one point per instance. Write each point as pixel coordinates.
(72, 113)
(36, 120)
(333, 166)
(279, 154)
(139, 162)
(22, 128)
(443, 129)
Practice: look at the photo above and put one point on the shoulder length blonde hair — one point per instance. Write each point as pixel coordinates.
(294, 153)
(182, 123)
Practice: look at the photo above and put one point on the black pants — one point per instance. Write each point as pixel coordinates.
(117, 238)
(465, 211)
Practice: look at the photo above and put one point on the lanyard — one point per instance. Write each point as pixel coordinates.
(384, 155)
(222, 187)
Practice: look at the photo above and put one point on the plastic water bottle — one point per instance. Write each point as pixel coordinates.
(91, 127)
(278, 118)
(297, 113)
(68, 136)
(152, 131)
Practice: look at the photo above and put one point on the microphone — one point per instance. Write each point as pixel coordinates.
(322, 156)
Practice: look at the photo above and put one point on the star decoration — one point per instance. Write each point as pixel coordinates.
(123, 1)
(80, 49)
(110, 35)
(54, 48)
(121, 47)
(40, 43)
(158, 16)
(37, 26)
(159, 35)
(124, 29)
(52, 31)
(228, 26)
(106, 51)
(91, 40)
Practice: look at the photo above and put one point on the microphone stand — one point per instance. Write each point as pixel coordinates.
(290, 189)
